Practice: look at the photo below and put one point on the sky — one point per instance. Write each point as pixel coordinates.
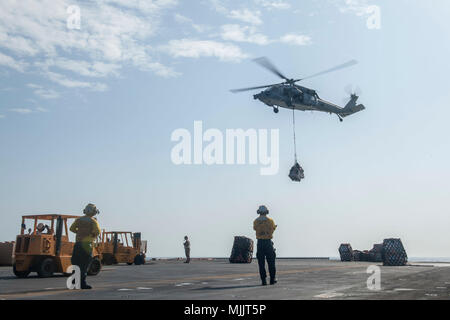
(87, 114)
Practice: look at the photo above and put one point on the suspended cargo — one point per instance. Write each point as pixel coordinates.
(296, 174)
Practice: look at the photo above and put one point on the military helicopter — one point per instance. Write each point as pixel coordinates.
(289, 95)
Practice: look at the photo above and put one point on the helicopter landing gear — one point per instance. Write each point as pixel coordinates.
(340, 118)
(276, 110)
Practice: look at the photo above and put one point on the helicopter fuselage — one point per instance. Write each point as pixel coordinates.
(296, 97)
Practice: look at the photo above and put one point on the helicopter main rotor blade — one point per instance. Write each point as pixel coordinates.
(252, 88)
(265, 63)
(339, 67)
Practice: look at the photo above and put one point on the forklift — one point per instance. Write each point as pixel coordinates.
(46, 248)
(122, 247)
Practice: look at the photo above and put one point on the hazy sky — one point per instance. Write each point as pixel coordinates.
(86, 115)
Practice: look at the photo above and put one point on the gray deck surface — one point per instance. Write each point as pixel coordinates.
(218, 279)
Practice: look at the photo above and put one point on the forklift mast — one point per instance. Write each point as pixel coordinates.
(58, 235)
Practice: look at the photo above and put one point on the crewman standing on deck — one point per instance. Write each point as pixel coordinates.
(264, 228)
(87, 229)
(187, 249)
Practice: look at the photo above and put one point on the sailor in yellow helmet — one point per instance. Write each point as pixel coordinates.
(264, 228)
(86, 229)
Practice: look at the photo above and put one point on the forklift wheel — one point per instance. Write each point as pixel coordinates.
(20, 274)
(94, 267)
(46, 268)
(139, 259)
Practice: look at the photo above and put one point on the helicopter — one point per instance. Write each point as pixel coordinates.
(289, 95)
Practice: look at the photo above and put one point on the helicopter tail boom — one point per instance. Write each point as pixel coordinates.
(351, 107)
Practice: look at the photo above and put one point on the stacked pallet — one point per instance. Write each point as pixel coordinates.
(242, 251)
(391, 252)
(375, 254)
(346, 252)
(394, 253)
(357, 255)
(365, 256)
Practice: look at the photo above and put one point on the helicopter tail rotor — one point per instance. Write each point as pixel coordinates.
(352, 91)
(351, 106)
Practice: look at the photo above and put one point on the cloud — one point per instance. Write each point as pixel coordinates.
(296, 39)
(42, 92)
(273, 4)
(27, 110)
(113, 34)
(238, 33)
(21, 110)
(12, 63)
(94, 69)
(191, 48)
(185, 20)
(69, 83)
(2, 116)
(246, 15)
(358, 7)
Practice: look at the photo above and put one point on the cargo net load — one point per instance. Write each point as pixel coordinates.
(346, 252)
(391, 252)
(394, 253)
(296, 173)
(242, 250)
(375, 254)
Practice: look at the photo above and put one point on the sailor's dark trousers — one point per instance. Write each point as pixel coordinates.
(82, 257)
(265, 252)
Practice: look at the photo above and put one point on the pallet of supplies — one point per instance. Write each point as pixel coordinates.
(242, 250)
(6, 253)
(394, 253)
(346, 252)
(375, 253)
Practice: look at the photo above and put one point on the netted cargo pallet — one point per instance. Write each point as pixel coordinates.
(357, 255)
(346, 252)
(394, 253)
(242, 250)
(375, 253)
(365, 256)
(6, 253)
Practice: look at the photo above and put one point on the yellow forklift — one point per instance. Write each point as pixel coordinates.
(45, 247)
(122, 247)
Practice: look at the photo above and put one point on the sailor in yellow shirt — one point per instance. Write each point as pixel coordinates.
(264, 228)
(86, 229)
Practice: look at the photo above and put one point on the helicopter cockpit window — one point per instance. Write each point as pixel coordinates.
(310, 99)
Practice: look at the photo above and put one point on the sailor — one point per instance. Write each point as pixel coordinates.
(87, 230)
(187, 249)
(264, 228)
(41, 228)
